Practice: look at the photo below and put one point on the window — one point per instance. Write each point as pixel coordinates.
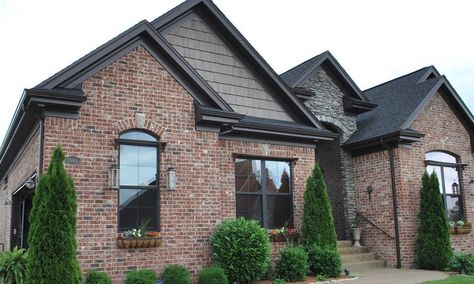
(448, 170)
(263, 191)
(138, 192)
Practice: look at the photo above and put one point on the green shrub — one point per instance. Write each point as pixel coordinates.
(213, 275)
(97, 277)
(318, 224)
(433, 248)
(176, 274)
(279, 281)
(292, 264)
(52, 254)
(321, 278)
(242, 248)
(13, 266)
(325, 261)
(462, 262)
(141, 276)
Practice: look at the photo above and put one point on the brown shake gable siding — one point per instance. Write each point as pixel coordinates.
(205, 194)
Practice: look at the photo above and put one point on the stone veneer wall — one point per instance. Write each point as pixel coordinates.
(135, 91)
(443, 131)
(327, 106)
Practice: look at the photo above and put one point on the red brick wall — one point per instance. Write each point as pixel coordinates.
(205, 193)
(443, 131)
(22, 169)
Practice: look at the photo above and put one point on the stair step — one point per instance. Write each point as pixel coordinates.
(356, 267)
(352, 250)
(357, 257)
(343, 244)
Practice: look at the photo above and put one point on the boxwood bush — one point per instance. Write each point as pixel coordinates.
(325, 261)
(462, 262)
(213, 275)
(176, 274)
(292, 264)
(242, 248)
(97, 277)
(141, 276)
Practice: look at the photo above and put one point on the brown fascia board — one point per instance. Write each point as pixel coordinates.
(236, 40)
(404, 136)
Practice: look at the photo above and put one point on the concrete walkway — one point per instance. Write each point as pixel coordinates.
(396, 276)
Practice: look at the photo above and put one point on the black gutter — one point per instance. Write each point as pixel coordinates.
(394, 202)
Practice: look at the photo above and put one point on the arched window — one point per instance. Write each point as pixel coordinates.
(139, 185)
(448, 170)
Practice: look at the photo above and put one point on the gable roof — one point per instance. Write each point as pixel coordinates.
(399, 102)
(298, 74)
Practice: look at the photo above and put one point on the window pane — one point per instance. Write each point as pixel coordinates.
(277, 176)
(147, 215)
(136, 206)
(128, 198)
(247, 175)
(128, 218)
(451, 178)
(128, 175)
(278, 211)
(440, 157)
(137, 135)
(138, 165)
(147, 197)
(454, 208)
(146, 176)
(129, 155)
(147, 156)
(437, 170)
(249, 207)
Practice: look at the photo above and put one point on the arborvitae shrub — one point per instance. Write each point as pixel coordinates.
(433, 247)
(97, 277)
(293, 264)
(52, 256)
(176, 274)
(242, 248)
(318, 224)
(141, 276)
(213, 275)
(325, 262)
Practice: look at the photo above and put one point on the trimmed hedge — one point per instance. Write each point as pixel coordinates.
(176, 274)
(242, 248)
(325, 262)
(97, 277)
(433, 246)
(462, 262)
(141, 276)
(293, 264)
(213, 275)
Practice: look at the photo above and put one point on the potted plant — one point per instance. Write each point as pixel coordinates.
(139, 238)
(283, 234)
(356, 230)
(460, 227)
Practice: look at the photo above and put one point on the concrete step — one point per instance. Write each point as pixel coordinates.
(352, 250)
(357, 267)
(343, 244)
(357, 257)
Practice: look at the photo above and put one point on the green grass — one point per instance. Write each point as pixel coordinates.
(455, 279)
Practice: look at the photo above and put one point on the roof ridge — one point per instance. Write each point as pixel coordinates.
(289, 70)
(397, 78)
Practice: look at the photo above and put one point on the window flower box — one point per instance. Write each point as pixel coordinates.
(284, 235)
(460, 228)
(137, 239)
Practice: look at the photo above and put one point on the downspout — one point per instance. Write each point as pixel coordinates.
(394, 201)
(41, 145)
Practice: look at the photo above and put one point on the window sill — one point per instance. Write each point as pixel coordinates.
(125, 243)
(460, 231)
(293, 237)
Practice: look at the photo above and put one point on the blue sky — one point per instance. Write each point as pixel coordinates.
(374, 41)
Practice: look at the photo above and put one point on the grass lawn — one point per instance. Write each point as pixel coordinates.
(454, 279)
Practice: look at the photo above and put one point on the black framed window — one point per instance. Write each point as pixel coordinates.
(139, 172)
(263, 191)
(448, 170)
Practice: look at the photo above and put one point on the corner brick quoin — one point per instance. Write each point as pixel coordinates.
(139, 122)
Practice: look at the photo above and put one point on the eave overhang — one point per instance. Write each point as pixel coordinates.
(357, 106)
(395, 139)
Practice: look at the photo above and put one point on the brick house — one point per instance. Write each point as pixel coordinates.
(188, 92)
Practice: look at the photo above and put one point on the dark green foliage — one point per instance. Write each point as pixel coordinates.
(52, 238)
(318, 224)
(325, 262)
(321, 278)
(141, 276)
(97, 277)
(433, 245)
(242, 249)
(213, 275)
(462, 262)
(13, 266)
(279, 281)
(293, 264)
(176, 274)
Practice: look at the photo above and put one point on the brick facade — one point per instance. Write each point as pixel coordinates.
(443, 131)
(135, 91)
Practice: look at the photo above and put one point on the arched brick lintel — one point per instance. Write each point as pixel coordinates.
(133, 123)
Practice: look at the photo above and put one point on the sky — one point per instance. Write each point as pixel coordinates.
(374, 41)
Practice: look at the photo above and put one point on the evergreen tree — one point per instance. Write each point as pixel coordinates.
(433, 244)
(52, 238)
(318, 224)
